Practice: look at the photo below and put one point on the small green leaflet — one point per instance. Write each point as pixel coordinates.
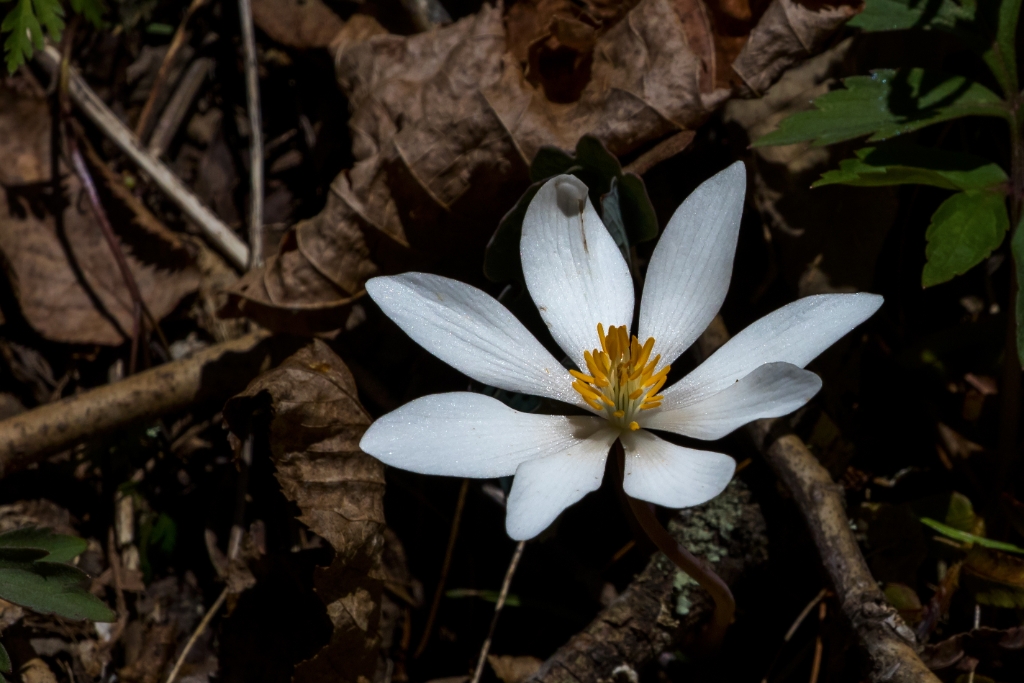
(965, 537)
(60, 548)
(963, 232)
(886, 104)
(5, 661)
(52, 588)
(33, 575)
(912, 164)
(29, 19)
(26, 33)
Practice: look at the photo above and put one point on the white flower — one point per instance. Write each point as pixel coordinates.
(583, 290)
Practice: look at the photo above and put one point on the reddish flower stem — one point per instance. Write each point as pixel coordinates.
(698, 569)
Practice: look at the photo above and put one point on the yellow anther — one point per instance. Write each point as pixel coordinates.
(588, 391)
(645, 353)
(657, 385)
(653, 379)
(623, 378)
(580, 376)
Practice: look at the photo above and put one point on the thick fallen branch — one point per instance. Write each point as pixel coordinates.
(219, 234)
(651, 615)
(887, 640)
(214, 373)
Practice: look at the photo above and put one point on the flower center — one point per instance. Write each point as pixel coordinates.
(621, 381)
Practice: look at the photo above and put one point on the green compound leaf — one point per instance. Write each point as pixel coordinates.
(886, 104)
(32, 574)
(25, 22)
(988, 27)
(963, 232)
(914, 165)
(52, 588)
(965, 537)
(901, 15)
(60, 548)
(5, 660)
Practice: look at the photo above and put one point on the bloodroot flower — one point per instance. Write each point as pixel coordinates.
(583, 290)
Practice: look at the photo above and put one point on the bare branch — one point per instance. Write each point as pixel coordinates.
(214, 373)
(219, 234)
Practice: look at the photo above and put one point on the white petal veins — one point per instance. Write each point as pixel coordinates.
(672, 476)
(471, 435)
(796, 334)
(573, 270)
(690, 269)
(472, 332)
(772, 390)
(545, 486)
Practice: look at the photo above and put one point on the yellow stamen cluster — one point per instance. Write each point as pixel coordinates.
(622, 379)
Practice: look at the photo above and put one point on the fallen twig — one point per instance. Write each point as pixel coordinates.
(252, 100)
(651, 616)
(214, 373)
(146, 116)
(207, 618)
(219, 234)
(179, 104)
(445, 566)
(502, 596)
(664, 150)
(887, 640)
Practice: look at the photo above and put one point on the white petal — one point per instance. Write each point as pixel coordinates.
(796, 333)
(673, 476)
(772, 390)
(470, 435)
(546, 486)
(573, 270)
(472, 332)
(690, 268)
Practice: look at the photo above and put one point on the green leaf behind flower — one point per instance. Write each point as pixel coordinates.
(965, 537)
(886, 104)
(963, 232)
(913, 164)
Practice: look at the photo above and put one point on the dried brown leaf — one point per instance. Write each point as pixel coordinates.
(445, 124)
(62, 271)
(316, 422)
(988, 644)
(511, 669)
(297, 23)
(787, 32)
